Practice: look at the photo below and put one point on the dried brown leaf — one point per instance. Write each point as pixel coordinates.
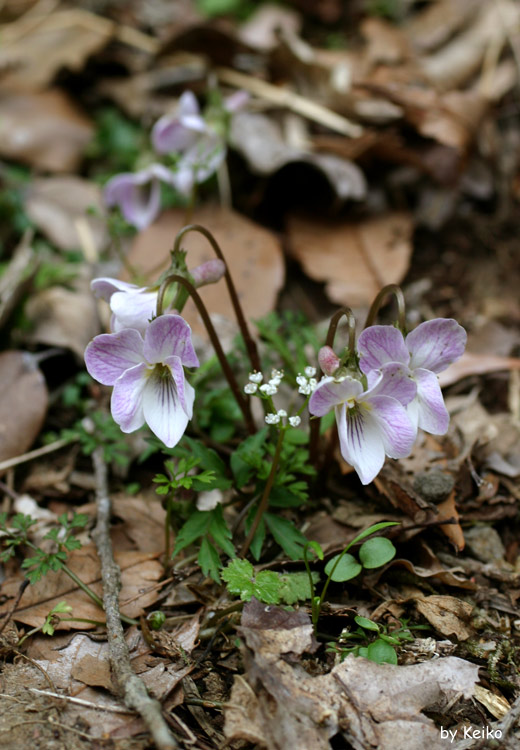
(253, 255)
(477, 364)
(453, 531)
(55, 204)
(447, 614)
(355, 259)
(44, 130)
(261, 30)
(23, 403)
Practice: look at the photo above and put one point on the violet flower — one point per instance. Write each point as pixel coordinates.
(139, 194)
(425, 352)
(148, 376)
(371, 422)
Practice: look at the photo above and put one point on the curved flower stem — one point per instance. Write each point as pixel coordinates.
(376, 304)
(329, 341)
(228, 372)
(239, 313)
(264, 502)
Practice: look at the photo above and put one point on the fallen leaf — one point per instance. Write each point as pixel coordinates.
(62, 317)
(139, 574)
(55, 204)
(477, 364)
(36, 50)
(453, 531)
(44, 130)
(253, 256)
(259, 139)
(23, 402)
(355, 259)
(17, 276)
(261, 30)
(447, 614)
(497, 705)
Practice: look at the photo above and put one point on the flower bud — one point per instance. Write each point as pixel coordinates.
(209, 272)
(329, 362)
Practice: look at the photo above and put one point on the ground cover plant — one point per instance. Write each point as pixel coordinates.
(260, 406)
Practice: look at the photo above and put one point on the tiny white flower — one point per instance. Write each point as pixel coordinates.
(301, 379)
(277, 374)
(282, 413)
(272, 418)
(275, 381)
(313, 383)
(305, 389)
(250, 388)
(310, 372)
(269, 389)
(256, 377)
(294, 421)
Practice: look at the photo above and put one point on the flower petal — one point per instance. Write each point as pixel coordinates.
(139, 204)
(435, 344)
(396, 381)
(394, 425)
(169, 335)
(105, 287)
(202, 159)
(360, 441)
(378, 345)
(330, 392)
(188, 104)
(432, 413)
(178, 130)
(127, 398)
(185, 391)
(109, 355)
(134, 309)
(163, 410)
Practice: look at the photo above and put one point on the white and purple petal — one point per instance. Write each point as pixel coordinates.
(330, 392)
(127, 398)
(395, 380)
(169, 335)
(432, 413)
(435, 344)
(162, 408)
(378, 345)
(360, 441)
(185, 391)
(395, 428)
(109, 355)
(105, 287)
(133, 309)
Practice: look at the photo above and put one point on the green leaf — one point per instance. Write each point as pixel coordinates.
(381, 652)
(364, 622)
(248, 454)
(61, 607)
(209, 560)
(259, 537)
(295, 587)
(196, 526)
(347, 568)
(72, 543)
(376, 552)
(286, 535)
(316, 548)
(372, 530)
(239, 576)
(220, 532)
(79, 520)
(267, 586)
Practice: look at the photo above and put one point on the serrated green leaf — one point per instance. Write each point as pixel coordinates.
(209, 560)
(249, 453)
(296, 587)
(376, 552)
(196, 526)
(286, 535)
(365, 623)
(381, 652)
(347, 568)
(220, 532)
(267, 586)
(239, 576)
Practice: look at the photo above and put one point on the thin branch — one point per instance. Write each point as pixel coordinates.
(131, 688)
(37, 453)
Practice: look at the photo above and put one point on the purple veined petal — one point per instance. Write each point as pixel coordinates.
(169, 335)
(185, 391)
(109, 355)
(378, 345)
(396, 380)
(105, 287)
(329, 393)
(127, 398)
(162, 409)
(171, 135)
(432, 413)
(134, 309)
(139, 204)
(394, 425)
(188, 104)
(435, 344)
(360, 440)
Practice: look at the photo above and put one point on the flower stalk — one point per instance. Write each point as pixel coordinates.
(376, 305)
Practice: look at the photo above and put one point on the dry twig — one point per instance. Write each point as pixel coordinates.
(131, 687)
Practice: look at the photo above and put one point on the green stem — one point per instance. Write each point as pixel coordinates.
(265, 497)
(376, 304)
(92, 595)
(237, 307)
(226, 368)
(167, 535)
(315, 611)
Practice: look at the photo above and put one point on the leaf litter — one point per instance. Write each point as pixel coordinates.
(346, 158)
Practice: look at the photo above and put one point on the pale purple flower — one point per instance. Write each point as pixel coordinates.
(132, 306)
(138, 194)
(371, 422)
(425, 352)
(177, 131)
(148, 376)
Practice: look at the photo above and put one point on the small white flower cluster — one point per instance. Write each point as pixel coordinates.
(269, 389)
(280, 414)
(307, 382)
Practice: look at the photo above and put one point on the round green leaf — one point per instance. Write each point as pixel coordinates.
(381, 652)
(347, 568)
(364, 622)
(376, 552)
